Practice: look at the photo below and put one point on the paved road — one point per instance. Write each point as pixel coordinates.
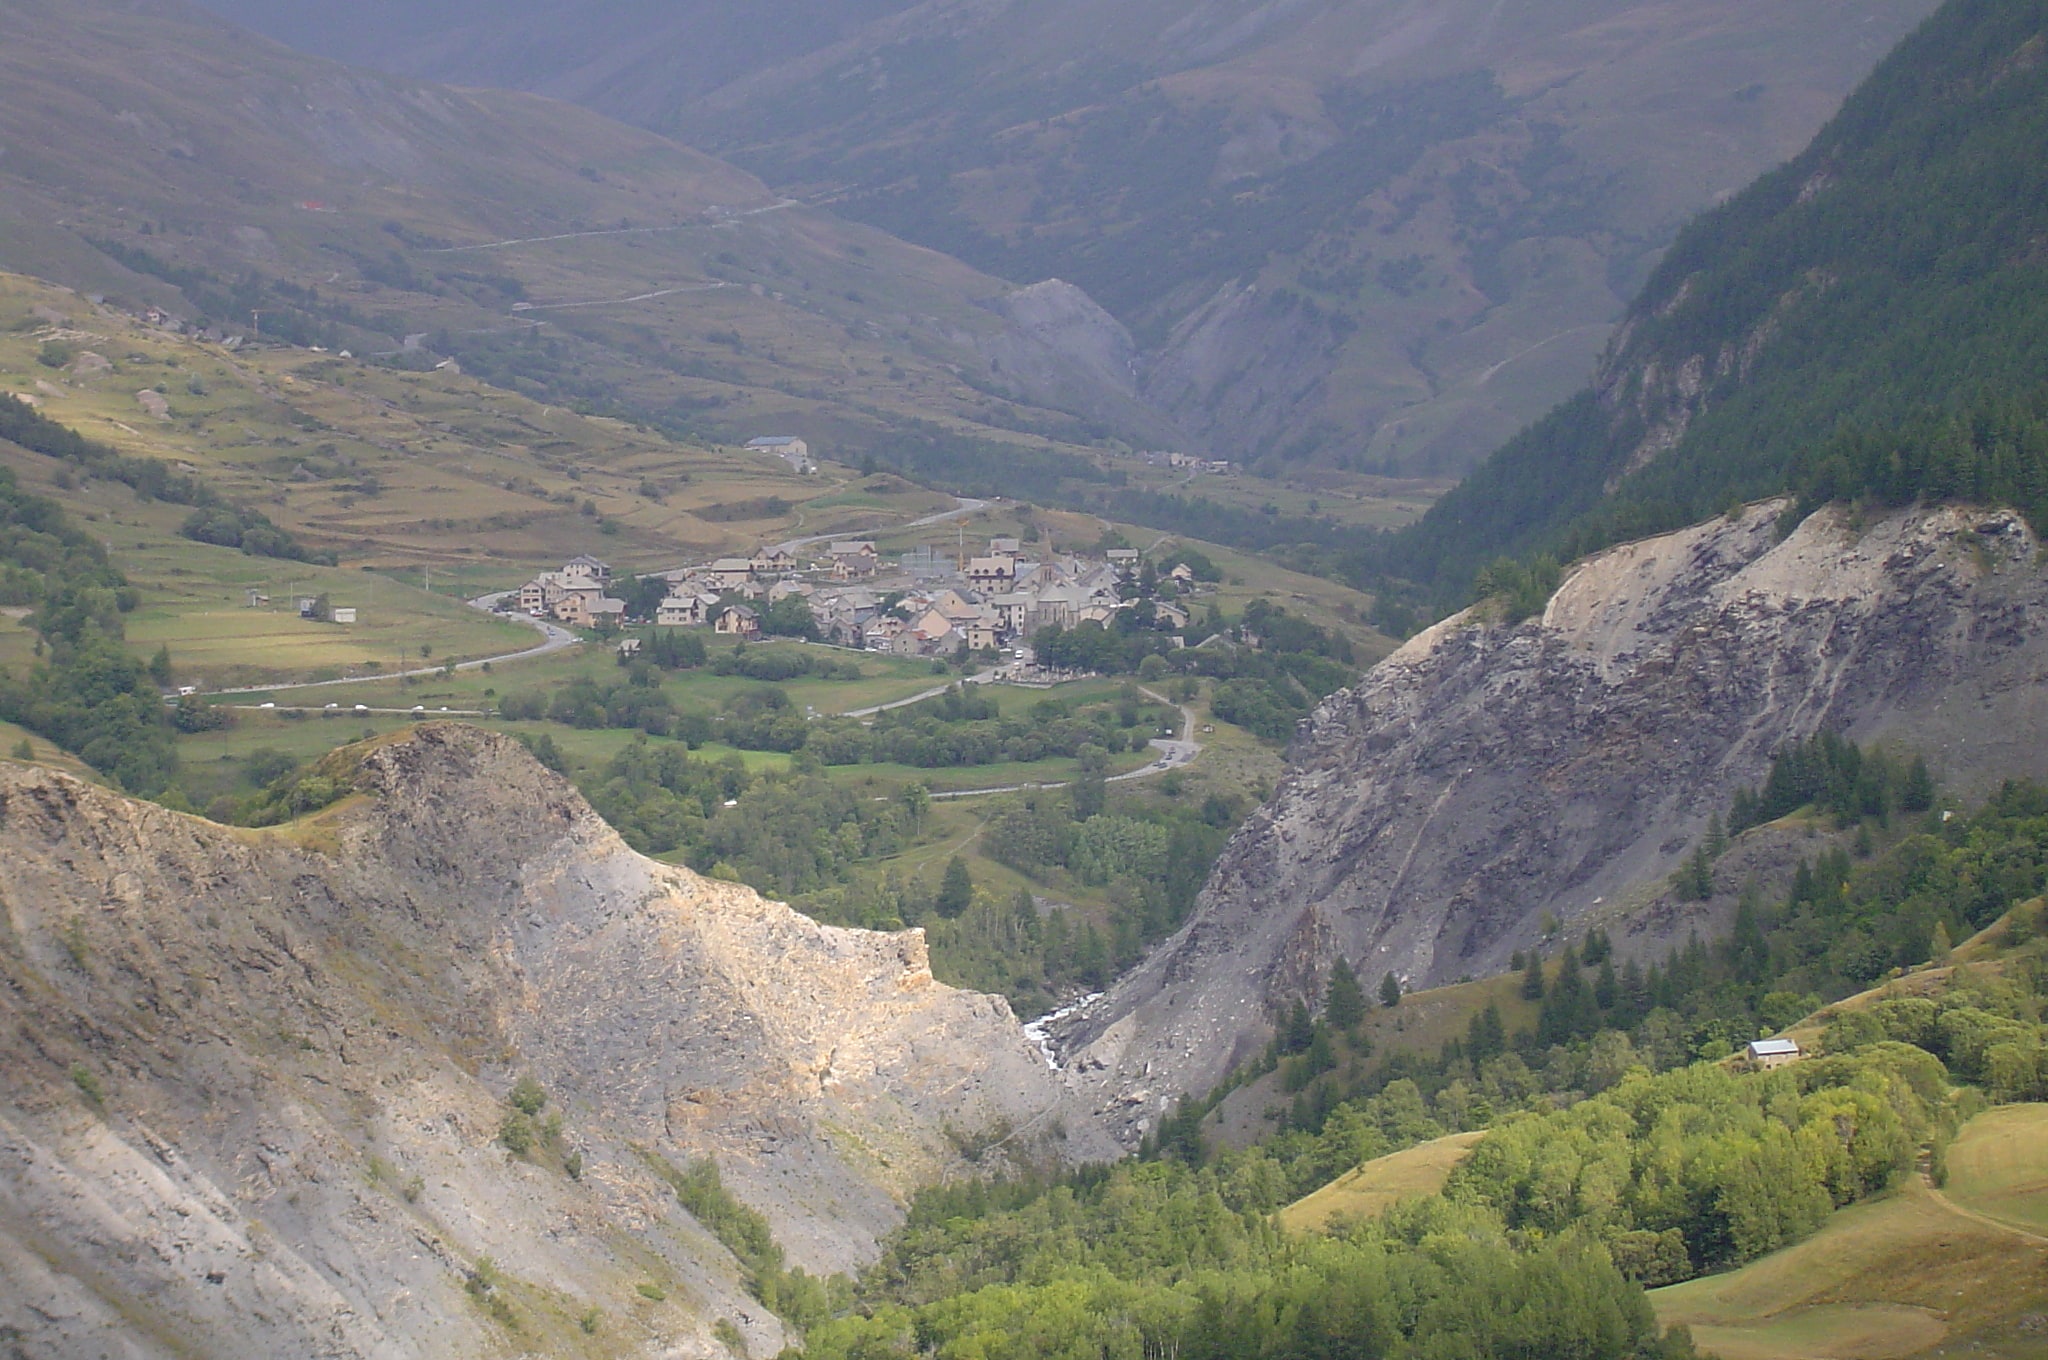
(966, 505)
(554, 639)
(347, 710)
(1174, 752)
(983, 678)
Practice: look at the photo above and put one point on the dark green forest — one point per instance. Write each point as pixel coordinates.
(1868, 320)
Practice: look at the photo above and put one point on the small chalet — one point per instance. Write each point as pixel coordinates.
(1764, 1054)
(587, 567)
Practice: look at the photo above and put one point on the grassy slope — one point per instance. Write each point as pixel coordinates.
(1381, 1183)
(479, 485)
(1909, 1274)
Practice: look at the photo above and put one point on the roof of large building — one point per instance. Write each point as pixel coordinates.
(1771, 1048)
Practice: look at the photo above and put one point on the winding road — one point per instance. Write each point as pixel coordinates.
(554, 639)
(1174, 752)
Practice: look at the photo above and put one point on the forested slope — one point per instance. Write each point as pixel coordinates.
(1870, 317)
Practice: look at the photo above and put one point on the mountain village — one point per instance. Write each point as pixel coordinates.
(923, 603)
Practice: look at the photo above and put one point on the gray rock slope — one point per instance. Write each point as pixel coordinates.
(1486, 775)
(251, 1081)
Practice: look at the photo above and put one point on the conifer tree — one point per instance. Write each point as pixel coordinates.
(956, 889)
(1299, 1031)
(1343, 999)
(1918, 793)
(1390, 991)
(1532, 978)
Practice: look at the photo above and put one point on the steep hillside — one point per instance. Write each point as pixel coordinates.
(1489, 773)
(1383, 235)
(257, 1082)
(1888, 286)
(161, 156)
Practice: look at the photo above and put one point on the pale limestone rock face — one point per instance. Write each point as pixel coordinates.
(303, 1038)
(1485, 775)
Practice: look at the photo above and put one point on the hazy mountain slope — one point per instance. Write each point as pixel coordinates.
(253, 1080)
(1384, 233)
(1488, 774)
(1895, 271)
(155, 153)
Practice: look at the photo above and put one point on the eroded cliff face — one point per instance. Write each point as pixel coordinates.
(253, 1080)
(1486, 775)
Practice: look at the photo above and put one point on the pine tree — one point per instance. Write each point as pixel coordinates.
(1485, 1037)
(1939, 947)
(160, 667)
(1717, 837)
(1749, 953)
(1532, 978)
(1299, 1031)
(1694, 879)
(1390, 991)
(956, 889)
(1918, 793)
(1343, 999)
(1606, 986)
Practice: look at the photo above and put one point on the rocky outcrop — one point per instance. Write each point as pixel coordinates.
(1060, 348)
(1486, 775)
(254, 1080)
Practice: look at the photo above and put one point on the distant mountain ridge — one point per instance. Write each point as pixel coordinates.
(546, 247)
(1384, 234)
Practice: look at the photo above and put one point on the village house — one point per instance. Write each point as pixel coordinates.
(931, 623)
(685, 610)
(587, 568)
(853, 557)
(729, 573)
(589, 608)
(772, 562)
(880, 632)
(1013, 611)
(984, 635)
(738, 621)
(991, 573)
(533, 596)
(1005, 547)
(1124, 561)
